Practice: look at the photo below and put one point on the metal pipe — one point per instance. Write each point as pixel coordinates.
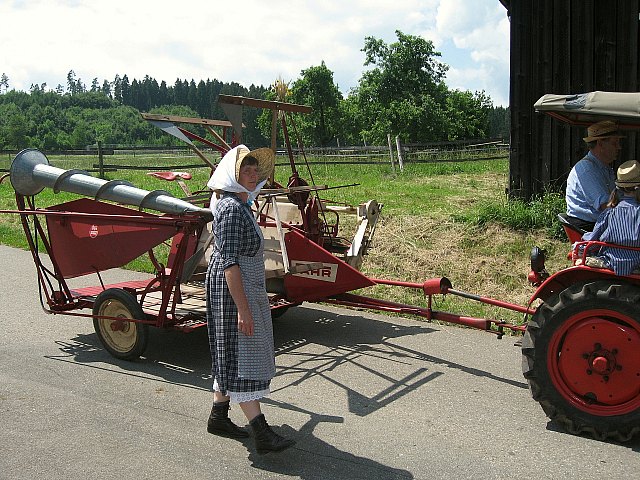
(353, 300)
(432, 286)
(491, 301)
(442, 286)
(31, 172)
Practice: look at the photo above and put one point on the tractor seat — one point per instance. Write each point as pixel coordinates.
(170, 176)
(573, 232)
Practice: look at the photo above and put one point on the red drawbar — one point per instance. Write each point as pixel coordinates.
(86, 244)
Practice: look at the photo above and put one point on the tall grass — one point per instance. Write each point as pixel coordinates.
(516, 214)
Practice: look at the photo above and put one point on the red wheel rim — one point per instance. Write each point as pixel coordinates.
(594, 362)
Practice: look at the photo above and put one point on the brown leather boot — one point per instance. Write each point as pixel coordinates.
(266, 439)
(220, 424)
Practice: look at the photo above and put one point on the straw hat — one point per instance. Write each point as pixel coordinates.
(603, 129)
(265, 157)
(628, 174)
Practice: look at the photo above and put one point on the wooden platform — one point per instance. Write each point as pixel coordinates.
(190, 313)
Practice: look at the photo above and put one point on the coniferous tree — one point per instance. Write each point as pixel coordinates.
(163, 94)
(180, 91)
(4, 83)
(71, 82)
(125, 88)
(106, 89)
(80, 87)
(192, 96)
(117, 89)
(136, 99)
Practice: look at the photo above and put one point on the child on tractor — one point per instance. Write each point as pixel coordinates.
(620, 224)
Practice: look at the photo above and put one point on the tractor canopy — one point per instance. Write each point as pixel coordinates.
(588, 108)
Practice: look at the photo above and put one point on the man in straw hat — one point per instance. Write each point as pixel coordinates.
(620, 224)
(238, 312)
(592, 179)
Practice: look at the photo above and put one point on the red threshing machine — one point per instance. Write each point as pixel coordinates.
(581, 348)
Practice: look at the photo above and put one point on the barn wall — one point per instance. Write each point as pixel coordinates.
(565, 47)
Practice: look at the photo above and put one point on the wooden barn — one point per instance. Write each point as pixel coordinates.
(565, 47)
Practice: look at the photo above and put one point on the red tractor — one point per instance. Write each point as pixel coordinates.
(581, 349)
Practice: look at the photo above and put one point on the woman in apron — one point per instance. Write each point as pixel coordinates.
(238, 313)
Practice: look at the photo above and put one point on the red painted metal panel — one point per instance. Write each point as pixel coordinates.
(333, 278)
(96, 290)
(85, 244)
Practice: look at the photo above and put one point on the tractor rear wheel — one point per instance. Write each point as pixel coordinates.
(581, 357)
(122, 339)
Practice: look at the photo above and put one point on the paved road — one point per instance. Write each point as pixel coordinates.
(365, 396)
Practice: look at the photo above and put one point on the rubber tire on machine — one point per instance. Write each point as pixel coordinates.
(129, 340)
(596, 328)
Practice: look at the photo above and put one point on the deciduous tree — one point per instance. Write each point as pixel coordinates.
(317, 89)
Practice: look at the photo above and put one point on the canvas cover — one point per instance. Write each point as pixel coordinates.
(587, 108)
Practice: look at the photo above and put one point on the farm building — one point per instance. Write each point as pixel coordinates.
(565, 47)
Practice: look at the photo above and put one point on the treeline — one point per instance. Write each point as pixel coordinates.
(52, 121)
(402, 93)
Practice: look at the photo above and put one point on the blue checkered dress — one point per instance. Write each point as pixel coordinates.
(242, 366)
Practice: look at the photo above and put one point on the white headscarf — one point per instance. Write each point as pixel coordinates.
(224, 177)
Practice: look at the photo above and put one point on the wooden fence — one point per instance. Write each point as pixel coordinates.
(113, 158)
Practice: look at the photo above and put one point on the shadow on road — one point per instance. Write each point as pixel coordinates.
(314, 459)
(309, 343)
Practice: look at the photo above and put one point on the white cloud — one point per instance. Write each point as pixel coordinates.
(247, 41)
(480, 31)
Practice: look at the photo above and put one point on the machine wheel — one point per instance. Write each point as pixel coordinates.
(580, 356)
(122, 339)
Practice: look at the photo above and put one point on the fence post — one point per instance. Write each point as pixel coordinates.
(393, 166)
(399, 148)
(100, 160)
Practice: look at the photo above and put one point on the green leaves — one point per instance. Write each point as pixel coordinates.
(404, 94)
(316, 89)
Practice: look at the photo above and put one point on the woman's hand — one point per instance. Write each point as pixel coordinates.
(245, 323)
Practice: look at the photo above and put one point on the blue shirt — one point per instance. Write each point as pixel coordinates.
(589, 185)
(620, 225)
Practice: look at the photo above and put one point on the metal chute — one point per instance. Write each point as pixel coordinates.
(31, 172)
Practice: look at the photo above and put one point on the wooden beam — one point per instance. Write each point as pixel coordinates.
(190, 120)
(218, 137)
(269, 104)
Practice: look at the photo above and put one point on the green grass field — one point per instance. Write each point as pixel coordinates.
(439, 219)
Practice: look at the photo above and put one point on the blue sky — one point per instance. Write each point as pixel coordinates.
(246, 41)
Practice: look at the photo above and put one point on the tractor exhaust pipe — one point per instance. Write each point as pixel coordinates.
(31, 172)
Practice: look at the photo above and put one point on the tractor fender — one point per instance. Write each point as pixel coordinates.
(563, 279)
